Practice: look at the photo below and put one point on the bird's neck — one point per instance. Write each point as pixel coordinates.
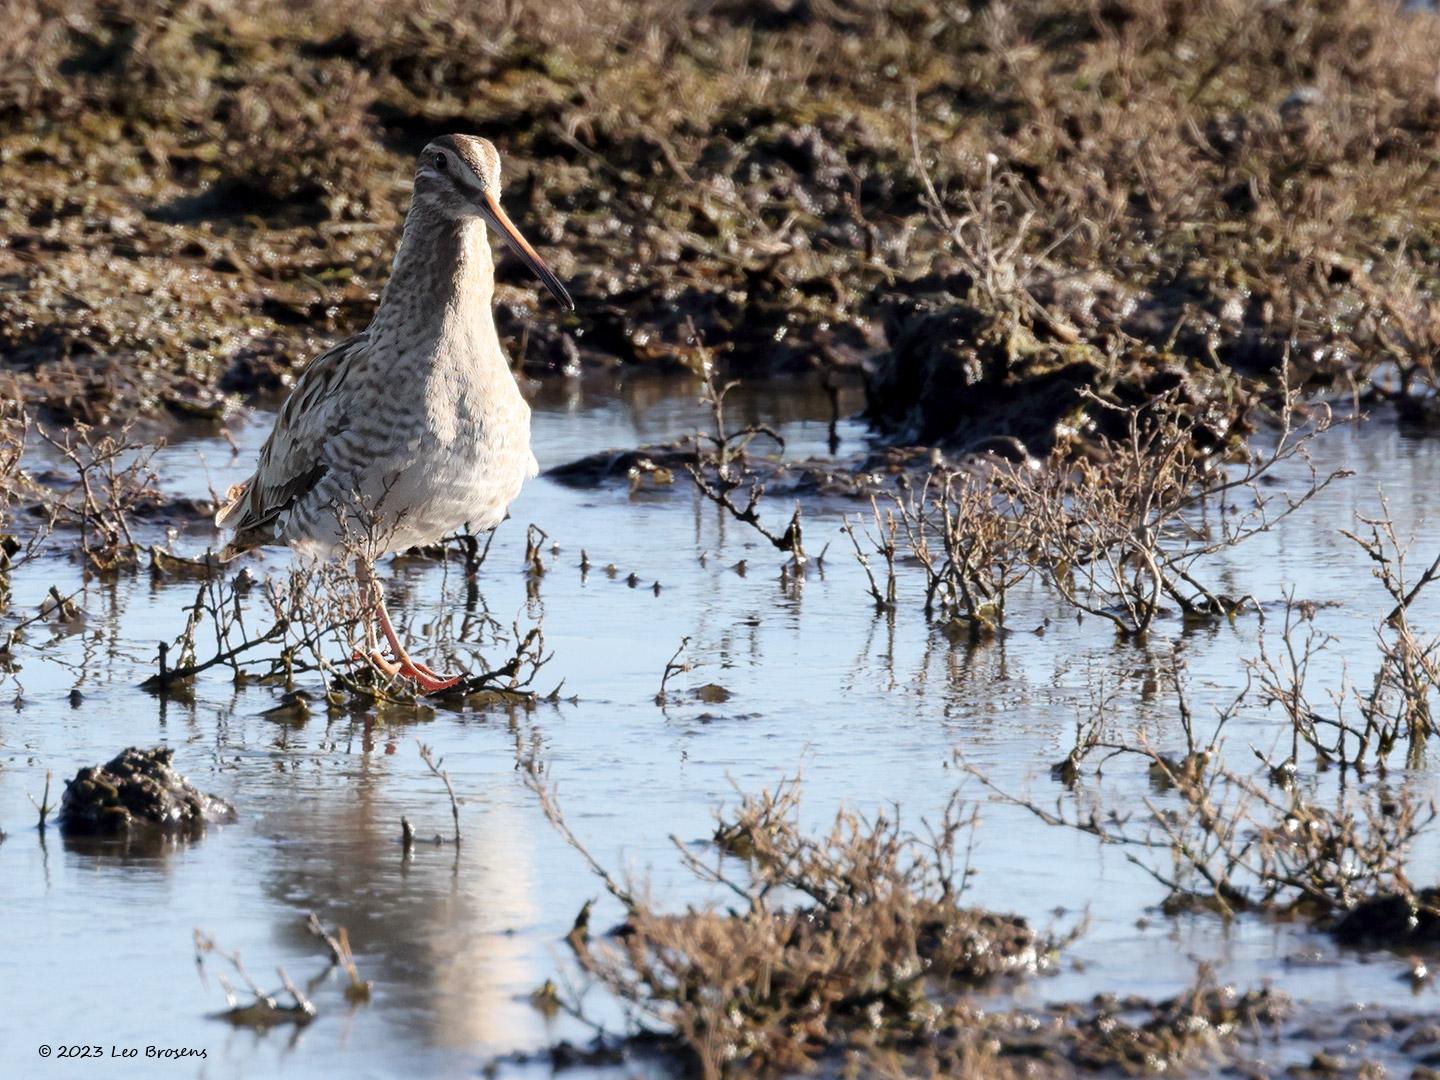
(443, 277)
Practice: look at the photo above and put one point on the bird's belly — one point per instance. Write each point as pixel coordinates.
(441, 489)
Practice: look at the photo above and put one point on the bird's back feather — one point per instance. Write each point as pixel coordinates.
(292, 461)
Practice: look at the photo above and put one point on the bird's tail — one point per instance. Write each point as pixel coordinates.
(231, 516)
(233, 504)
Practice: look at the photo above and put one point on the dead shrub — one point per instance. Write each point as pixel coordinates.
(1120, 533)
(719, 468)
(113, 480)
(1360, 727)
(312, 618)
(1236, 845)
(964, 533)
(871, 955)
(16, 545)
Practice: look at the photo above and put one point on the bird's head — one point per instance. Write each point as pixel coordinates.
(459, 175)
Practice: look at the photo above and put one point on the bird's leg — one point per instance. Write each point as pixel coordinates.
(428, 680)
(371, 654)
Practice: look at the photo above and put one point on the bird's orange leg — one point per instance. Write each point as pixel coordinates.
(429, 681)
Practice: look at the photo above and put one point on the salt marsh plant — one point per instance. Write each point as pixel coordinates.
(113, 480)
(1229, 842)
(14, 425)
(1120, 529)
(719, 467)
(1121, 533)
(851, 951)
(1360, 726)
(309, 620)
(852, 938)
(965, 534)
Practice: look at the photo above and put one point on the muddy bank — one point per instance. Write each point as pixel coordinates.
(197, 199)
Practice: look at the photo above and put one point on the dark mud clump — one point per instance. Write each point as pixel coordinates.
(981, 376)
(1393, 920)
(137, 792)
(660, 465)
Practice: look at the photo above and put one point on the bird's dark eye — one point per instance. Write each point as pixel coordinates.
(442, 162)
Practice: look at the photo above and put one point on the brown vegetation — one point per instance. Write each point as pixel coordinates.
(1397, 708)
(877, 943)
(1116, 531)
(869, 968)
(15, 545)
(1237, 844)
(312, 619)
(113, 483)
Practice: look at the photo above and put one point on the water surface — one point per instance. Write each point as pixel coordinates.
(871, 710)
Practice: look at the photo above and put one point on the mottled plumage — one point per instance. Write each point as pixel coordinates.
(415, 427)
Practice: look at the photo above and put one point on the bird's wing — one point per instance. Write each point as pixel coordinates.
(292, 460)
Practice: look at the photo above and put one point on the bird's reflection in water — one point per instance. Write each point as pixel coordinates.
(439, 930)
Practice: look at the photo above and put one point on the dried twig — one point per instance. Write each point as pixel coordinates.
(427, 756)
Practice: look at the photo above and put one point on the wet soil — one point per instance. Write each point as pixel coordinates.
(982, 210)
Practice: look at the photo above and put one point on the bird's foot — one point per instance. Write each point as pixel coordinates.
(429, 681)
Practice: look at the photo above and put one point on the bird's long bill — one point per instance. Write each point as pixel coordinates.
(498, 218)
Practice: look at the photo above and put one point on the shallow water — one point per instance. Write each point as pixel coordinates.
(99, 946)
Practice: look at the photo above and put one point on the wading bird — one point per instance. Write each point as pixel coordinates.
(415, 427)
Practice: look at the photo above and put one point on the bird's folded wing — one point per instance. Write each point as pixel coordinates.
(293, 459)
